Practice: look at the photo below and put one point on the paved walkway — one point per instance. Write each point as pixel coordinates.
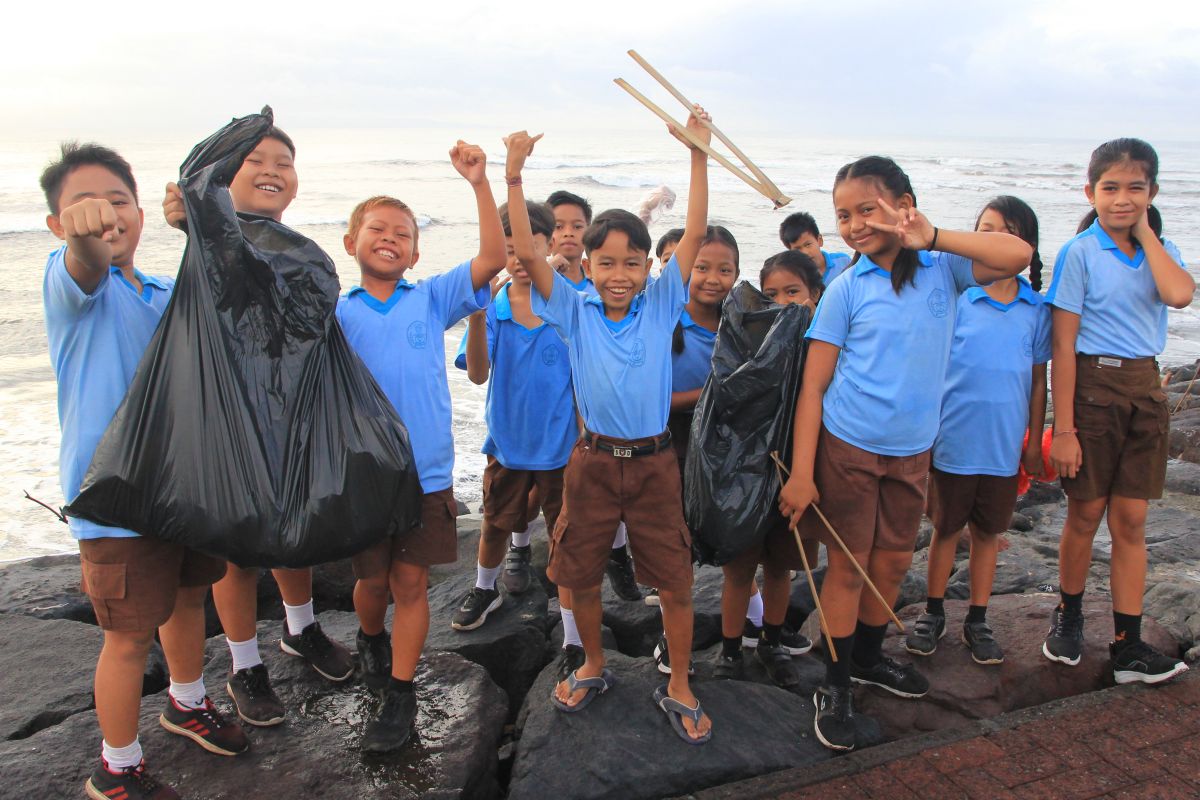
(1125, 742)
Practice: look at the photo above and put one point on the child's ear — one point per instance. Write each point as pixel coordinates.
(1153, 191)
(55, 226)
(906, 200)
(416, 256)
(649, 262)
(587, 268)
(348, 243)
(1089, 192)
(820, 241)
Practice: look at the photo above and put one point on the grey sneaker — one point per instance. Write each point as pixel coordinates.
(922, 640)
(253, 698)
(978, 638)
(518, 573)
(331, 659)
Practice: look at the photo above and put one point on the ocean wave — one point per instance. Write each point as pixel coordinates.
(423, 222)
(615, 181)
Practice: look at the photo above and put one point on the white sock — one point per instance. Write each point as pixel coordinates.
(245, 654)
(299, 617)
(118, 758)
(620, 539)
(188, 695)
(485, 577)
(754, 611)
(570, 632)
(521, 538)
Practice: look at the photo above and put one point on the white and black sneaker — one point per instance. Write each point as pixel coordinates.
(1064, 640)
(475, 607)
(902, 680)
(651, 598)
(662, 658)
(834, 719)
(1139, 662)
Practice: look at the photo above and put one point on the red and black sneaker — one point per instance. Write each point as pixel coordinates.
(131, 783)
(206, 727)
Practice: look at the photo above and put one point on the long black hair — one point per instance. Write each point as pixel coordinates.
(1118, 151)
(798, 265)
(888, 175)
(1023, 224)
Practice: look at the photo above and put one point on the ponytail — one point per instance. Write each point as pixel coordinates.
(1035, 271)
(677, 339)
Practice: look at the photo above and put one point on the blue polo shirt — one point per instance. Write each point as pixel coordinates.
(886, 392)
(530, 405)
(690, 368)
(1120, 313)
(621, 370)
(586, 286)
(402, 342)
(96, 341)
(835, 264)
(986, 408)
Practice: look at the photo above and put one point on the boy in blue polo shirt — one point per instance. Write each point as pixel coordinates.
(572, 215)
(101, 313)
(800, 232)
(623, 468)
(398, 329)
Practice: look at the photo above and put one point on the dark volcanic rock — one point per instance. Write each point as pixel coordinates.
(622, 746)
(1183, 477)
(1019, 569)
(1040, 494)
(636, 625)
(46, 588)
(1176, 606)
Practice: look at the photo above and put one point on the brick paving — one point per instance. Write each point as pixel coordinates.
(1128, 742)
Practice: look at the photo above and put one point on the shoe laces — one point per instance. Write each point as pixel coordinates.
(314, 638)
(1068, 624)
(210, 714)
(257, 682)
(144, 780)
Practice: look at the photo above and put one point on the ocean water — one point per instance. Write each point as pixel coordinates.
(338, 168)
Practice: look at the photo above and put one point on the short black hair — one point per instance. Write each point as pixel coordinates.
(541, 220)
(617, 219)
(276, 133)
(565, 198)
(795, 226)
(673, 236)
(75, 155)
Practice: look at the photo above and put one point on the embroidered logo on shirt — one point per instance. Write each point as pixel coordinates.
(550, 355)
(637, 356)
(939, 304)
(416, 335)
(1027, 345)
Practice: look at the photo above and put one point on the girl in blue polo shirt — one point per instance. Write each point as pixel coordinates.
(1112, 285)
(868, 413)
(995, 390)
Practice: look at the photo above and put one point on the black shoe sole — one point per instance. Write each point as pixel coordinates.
(385, 748)
(291, 651)
(258, 723)
(499, 601)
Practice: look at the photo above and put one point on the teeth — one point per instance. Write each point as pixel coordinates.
(388, 254)
(267, 188)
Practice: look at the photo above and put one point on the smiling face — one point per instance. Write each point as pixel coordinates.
(569, 225)
(385, 243)
(267, 183)
(1122, 195)
(713, 274)
(786, 288)
(541, 249)
(618, 271)
(856, 201)
(93, 181)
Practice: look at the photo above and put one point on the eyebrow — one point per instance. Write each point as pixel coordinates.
(122, 193)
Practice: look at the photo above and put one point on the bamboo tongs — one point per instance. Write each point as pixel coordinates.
(760, 182)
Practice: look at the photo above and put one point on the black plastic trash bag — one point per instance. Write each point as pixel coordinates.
(251, 430)
(744, 413)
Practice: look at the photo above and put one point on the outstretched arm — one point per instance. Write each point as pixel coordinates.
(696, 225)
(470, 162)
(520, 146)
(88, 227)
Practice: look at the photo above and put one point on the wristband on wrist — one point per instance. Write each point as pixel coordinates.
(513, 181)
(1065, 431)
(933, 243)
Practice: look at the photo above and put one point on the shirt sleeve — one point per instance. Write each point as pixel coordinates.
(1041, 336)
(561, 310)
(666, 296)
(452, 298)
(1069, 284)
(961, 268)
(831, 323)
(64, 299)
(1173, 252)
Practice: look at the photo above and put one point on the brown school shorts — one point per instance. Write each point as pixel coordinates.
(778, 548)
(434, 541)
(872, 501)
(1123, 422)
(506, 495)
(601, 490)
(132, 581)
(986, 501)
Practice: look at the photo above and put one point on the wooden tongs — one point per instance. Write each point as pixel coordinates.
(760, 182)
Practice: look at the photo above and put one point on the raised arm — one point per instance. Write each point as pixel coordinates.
(696, 225)
(519, 146)
(470, 162)
(1175, 285)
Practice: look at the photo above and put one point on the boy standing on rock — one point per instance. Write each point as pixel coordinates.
(101, 313)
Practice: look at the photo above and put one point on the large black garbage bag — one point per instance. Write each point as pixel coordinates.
(744, 413)
(251, 430)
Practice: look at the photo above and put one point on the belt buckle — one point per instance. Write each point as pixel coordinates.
(622, 452)
(1105, 361)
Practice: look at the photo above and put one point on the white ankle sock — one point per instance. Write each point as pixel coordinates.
(570, 632)
(521, 538)
(245, 654)
(118, 758)
(754, 611)
(188, 695)
(485, 577)
(299, 617)
(620, 539)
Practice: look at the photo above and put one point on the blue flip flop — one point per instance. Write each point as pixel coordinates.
(594, 686)
(676, 711)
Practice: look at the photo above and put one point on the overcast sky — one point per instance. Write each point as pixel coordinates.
(1055, 68)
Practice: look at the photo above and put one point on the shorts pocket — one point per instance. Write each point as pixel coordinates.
(104, 581)
(1162, 410)
(452, 508)
(1092, 413)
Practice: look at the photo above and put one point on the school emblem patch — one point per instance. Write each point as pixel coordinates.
(637, 356)
(939, 303)
(416, 335)
(1027, 345)
(549, 355)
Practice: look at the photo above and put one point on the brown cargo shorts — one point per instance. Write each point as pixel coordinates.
(132, 581)
(434, 541)
(1123, 422)
(986, 501)
(600, 490)
(506, 495)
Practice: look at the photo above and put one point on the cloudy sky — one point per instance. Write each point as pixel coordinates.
(1050, 68)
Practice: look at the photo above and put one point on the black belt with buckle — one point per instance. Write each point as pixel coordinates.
(624, 448)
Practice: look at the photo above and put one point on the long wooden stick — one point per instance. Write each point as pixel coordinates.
(866, 578)
(775, 194)
(812, 585)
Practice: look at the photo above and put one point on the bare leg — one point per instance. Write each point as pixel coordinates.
(410, 620)
(588, 613)
(1075, 547)
(1127, 524)
(182, 635)
(118, 687)
(370, 603)
(677, 623)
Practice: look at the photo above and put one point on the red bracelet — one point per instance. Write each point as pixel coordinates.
(513, 182)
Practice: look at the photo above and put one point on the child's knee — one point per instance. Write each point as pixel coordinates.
(674, 598)
(133, 644)
(409, 585)
(842, 576)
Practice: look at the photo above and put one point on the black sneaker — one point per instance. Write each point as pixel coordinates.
(392, 724)
(794, 642)
(571, 659)
(751, 633)
(922, 640)
(778, 662)
(131, 783)
(902, 680)
(518, 570)
(651, 597)
(475, 607)
(206, 727)
(977, 636)
(834, 720)
(331, 659)
(253, 698)
(1139, 661)
(728, 668)
(374, 658)
(1064, 641)
(662, 658)
(620, 575)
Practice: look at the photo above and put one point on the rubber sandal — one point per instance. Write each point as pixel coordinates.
(594, 686)
(676, 711)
